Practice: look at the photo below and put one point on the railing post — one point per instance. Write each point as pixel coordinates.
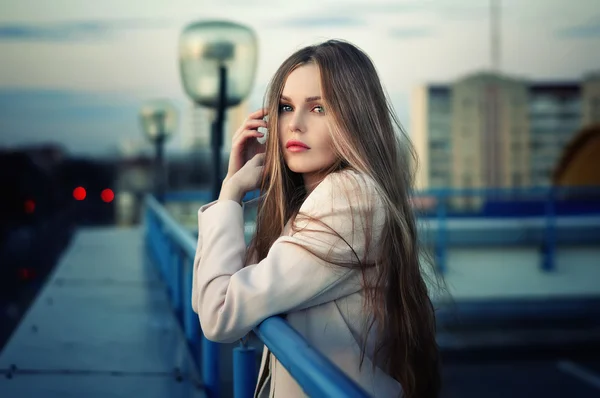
(211, 372)
(244, 371)
(159, 244)
(176, 263)
(151, 232)
(190, 320)
(440, 242)
(165, 243)
(156, 247)
(549, 241)
(209, 351)
(147, 225)
(148, 232)
(169, 266)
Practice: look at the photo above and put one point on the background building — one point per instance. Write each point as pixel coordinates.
(555, 116)
(488, 132)
(431, 134)
(492, 130)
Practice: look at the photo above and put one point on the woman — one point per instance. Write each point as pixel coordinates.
(335, 249)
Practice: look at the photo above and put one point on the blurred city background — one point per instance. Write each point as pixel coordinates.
(105, 103)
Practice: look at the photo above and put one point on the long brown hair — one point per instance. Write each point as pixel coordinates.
(367, 138)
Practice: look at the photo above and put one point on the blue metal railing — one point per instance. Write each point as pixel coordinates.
(494, 202)
(172, 249)
(538, 211)
(547, 203)
(503, 202)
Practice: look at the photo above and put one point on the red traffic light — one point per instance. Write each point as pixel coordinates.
(79, 193)
(107, 195)
(26, 274)
(29, 206)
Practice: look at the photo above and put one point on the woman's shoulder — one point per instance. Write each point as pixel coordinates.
(351, 182)
(348, 203)
(345, 188)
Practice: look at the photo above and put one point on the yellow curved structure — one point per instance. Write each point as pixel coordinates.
(579, 164)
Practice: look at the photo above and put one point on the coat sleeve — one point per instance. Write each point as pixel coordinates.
(196, 261)
(232, 299)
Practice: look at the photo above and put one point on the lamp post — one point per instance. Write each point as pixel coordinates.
(217, 62)
(158, 119)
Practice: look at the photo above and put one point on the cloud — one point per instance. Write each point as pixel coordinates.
(75, 30)
(356, 14)
(322, 21)
(385, 8)
(583, 31)
(411, 33)
(447, 9)
(462, 12)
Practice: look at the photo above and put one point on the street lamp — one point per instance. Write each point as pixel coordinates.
(217, 62)
(158, 119)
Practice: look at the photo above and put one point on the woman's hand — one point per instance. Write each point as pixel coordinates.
(244, 145)
(245, 180)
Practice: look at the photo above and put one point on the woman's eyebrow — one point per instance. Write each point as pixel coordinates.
(308, 99)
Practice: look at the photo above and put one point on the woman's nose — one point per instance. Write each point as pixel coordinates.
(296, 123)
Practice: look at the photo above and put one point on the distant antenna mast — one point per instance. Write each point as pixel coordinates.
(495, 34)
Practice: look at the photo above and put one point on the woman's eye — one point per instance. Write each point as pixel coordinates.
(319, 109)
(285, 108)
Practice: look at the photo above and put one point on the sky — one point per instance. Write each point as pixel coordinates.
(75, 72)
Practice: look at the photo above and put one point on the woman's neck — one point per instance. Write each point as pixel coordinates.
(311, 180)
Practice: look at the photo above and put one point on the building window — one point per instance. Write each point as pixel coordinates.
(438, 145)
(437, 132)
(535, 145)
(440, 106)
(543, 104)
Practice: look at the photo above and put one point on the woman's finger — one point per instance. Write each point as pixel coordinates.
(259, 114)
(249, 124)
(243, 138)
(254, 124)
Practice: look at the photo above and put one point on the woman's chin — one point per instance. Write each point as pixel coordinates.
(307, 167)
(296, 167)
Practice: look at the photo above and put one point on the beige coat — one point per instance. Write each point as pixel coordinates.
(321, 301)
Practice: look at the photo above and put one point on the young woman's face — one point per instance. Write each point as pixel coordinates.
(303, 129)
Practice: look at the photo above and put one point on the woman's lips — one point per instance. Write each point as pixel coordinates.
(297, 148)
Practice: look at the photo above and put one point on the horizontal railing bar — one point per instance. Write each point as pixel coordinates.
(180, 235)
(314, 372)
